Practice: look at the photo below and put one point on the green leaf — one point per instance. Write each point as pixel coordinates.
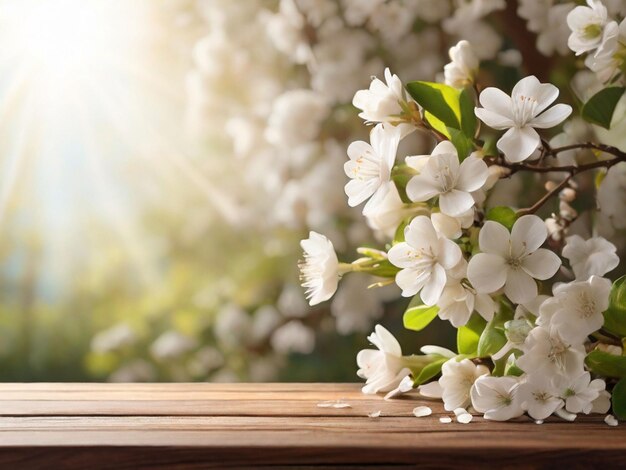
(600, 107)
(418, 317)
(605, 364)
(442, 101)
(468, 336)
(429, 371)
(437, 124)
(461, 142)
(489, 147)
(503, 215)
(615, 316)
(399, 235)
(493, 337)
(468, 118)
(618, 398)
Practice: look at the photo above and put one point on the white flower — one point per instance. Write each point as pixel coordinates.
(579, 392)
(384, 368)
(424, 258)
(521, 113)
(451, 227)
(609, 56)
(387, 215)
(443, 176)
(587, 25)
(381, 102)
(458, 300)
(171, 344)
(370, 166)
(496, 397)
(580, 307)
(548, 353)
(539, 396)
(512, 260)
(461, 71)
(457, 378)
(319, 272)
(595, 256)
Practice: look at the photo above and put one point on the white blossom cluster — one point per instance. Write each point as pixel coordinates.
(269, 98)
(463, 256)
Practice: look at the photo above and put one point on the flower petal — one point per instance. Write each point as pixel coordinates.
(520, 287)
(496, 101)
(552, 117)
(542, 264)
(487, 272)
(529, 232)
(455, 202)
(433, 287)
(493, 119)
(444, 147)
(518, 143)
(411, 281)
(494, 238)
(388, 343)
(531, 87)
(420, 233)
(422, 188)
(472, 174)
(359, 190)
(449, 253)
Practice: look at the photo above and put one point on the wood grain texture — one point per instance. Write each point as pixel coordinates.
(244, 425)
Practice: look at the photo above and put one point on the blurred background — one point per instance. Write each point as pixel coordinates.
(161, 159)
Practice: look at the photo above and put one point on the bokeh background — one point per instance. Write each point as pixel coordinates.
(161, 159)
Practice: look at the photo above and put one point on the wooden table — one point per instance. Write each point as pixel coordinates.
(202, 425)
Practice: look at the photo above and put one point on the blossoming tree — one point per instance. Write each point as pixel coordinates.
(528, 282)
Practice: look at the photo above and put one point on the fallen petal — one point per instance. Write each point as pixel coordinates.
(445, 419)
(422, 411)
(610, 420)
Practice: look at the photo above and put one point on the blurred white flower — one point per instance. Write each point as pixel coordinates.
(442, 176)
(424, 257)
(232, 326)
(383, 368)
(293, 337)
(463, 66)
(457, 378)
(512, 260)
(296, 117)
(520, 114)
(113, 338)
(587, 24)
(137, 370)
(171, 344)
(320, 268)
(355, 307)
(496, 397)
(370, 166)
(595, 256)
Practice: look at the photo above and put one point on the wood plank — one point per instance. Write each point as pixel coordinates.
(243, 425)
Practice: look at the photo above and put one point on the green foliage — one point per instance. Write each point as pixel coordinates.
(468, 118)
(399, 235)
(449, 111)
(439, 101)
(503, 215)
(468, 336)
(418, 316)
(615, 316)
(605, 364)
(601, 106)
(493, 338)
(463, 144)
(618, 399)
(430, 371)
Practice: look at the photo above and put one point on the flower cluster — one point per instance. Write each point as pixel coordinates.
(539, 324)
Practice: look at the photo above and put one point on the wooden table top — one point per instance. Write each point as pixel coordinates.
(242, 425)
